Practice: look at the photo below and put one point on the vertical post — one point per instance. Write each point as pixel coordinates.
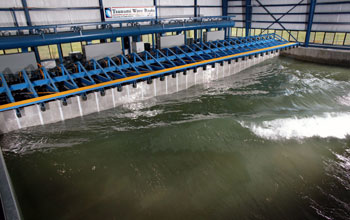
(224, 7)
(26, 12)
(153, 41)
(248, 16)
(102, 13)
(156, 8)
(14, 17)
(37, 55)
(310, 21)
(60, 55)
(123, 45)
(196, 15)
(224, 12)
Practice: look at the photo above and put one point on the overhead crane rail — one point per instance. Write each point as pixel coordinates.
(43, 85)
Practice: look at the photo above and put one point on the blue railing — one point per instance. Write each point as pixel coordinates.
(119, 70)
(107, 24)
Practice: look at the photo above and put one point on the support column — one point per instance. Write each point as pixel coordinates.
(196, 15)
(60, 54)
(156, 8)
(310, 21)
(102, 12)
(26, 12)
(248, 17)
(224, 12)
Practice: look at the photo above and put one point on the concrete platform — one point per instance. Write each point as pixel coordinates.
(320, 55)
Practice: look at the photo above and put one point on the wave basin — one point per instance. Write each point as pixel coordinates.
(271, 142)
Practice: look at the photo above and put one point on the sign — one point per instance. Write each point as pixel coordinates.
(120, 13)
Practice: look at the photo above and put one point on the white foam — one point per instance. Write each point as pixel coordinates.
(344, 100)
(328, 125)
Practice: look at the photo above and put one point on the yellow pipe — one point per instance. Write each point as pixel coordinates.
(81, 89)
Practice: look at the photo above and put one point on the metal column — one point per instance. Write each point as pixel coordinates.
(224, 7)
(102, 11)
(310, 21)
(26, 12)
(156, 8)
(224, 12)
(196, 15)
(248, 16)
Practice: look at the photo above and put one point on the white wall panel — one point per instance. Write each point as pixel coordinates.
(333, 8)
(301, 9)
(62, 3)
(238, 3)
(277, 26)
(210, 11)
(330, 27)
(10, 3)
(177, 2)
(6, 19)
(272, 2)
(239, 24)
(209, 2)
(236, 10)
(331, 17)
(21, 18)
(64, 17)
(127, 3)
(172, 12)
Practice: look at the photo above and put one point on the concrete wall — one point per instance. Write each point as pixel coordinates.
(320, 55)
(56, 111)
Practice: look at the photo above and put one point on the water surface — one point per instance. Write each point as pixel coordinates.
(271, 142)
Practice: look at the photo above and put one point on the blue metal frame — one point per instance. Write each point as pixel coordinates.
(26, 12)
(102, 12)
(248, 16)
(78, 34)
(283, 14)
(106, 72)
(310, 21)
(310, 13)
(276, 20)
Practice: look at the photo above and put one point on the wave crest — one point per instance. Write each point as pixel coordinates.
(328, 125)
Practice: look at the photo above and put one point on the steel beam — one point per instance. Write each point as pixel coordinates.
(88, 35)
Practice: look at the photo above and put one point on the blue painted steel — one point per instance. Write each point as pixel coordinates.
(310, 21)
(248, 17)
(26, 12)
(121, 67)
(102, 12)
(156, 7)
(278, 22)
(60, 55)
(152, 21)
(88, 35)
(283, 14)
(224, 8)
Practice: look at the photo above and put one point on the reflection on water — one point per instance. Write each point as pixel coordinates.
(271, 142)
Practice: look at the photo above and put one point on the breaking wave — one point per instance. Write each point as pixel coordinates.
(328, 125)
